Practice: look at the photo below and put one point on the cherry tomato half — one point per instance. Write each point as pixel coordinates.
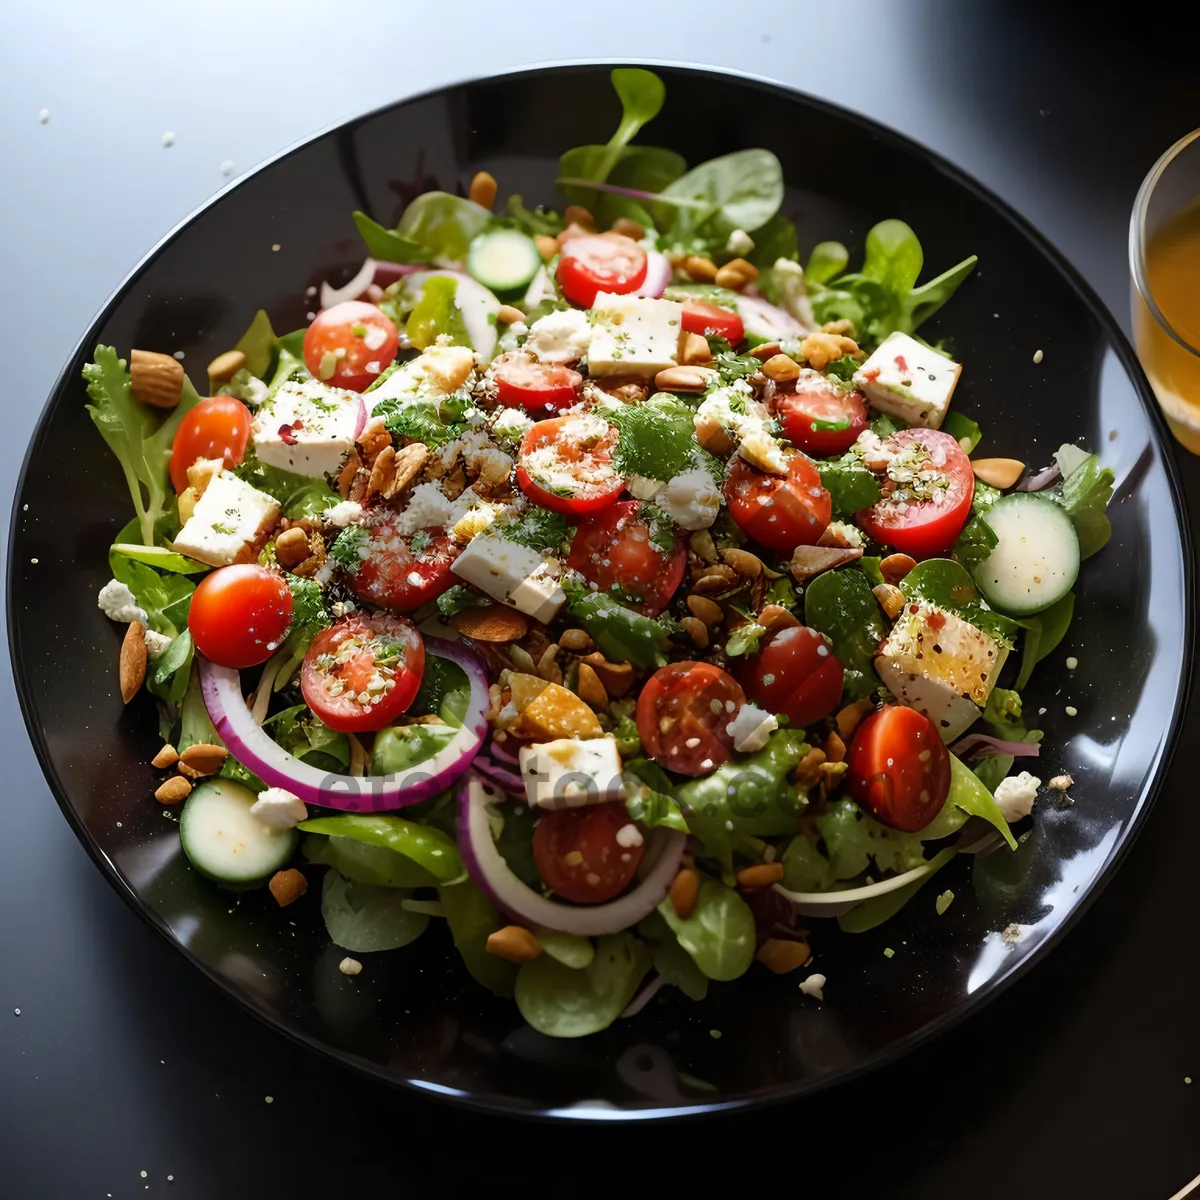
(394, 575)
(699, 316)
(578, 856)
(816, 402)
(683, 715)
(218, 427)
(601, 262)
(349, 344)
(240, 614)
(899, 768)
(543, 389)
(613, 547)
(779, 512)
(796, 674)
(915, 523)
(565, 465)
(363, 671)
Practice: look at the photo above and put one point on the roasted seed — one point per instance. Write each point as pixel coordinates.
(522, 660)
(589, 688)
(781, 955)
(766, 351)
(708, 611)
(736, 274)
(683, 379)
(577, 641)
(132, 668)
(628, 227)
(849, 718)
(174, 791)
(775, 617)
(743, 562)
(507, 314)
(685, 887)
(895, 567)
(225, 366)
(514, 943)
(616, 677)
(287, 886)
(781, 369)
(695, 350)
(576, 214)
(696, 630)
(483, 189)
(703, 270)
(998, 472)
(291, 548)
(168, 756)
(204, 758)
(547, 246)
(711, 435)
(546, 664)
(760, 875)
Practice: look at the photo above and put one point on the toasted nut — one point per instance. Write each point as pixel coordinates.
(743, 562)
(589, 688)
(155, 379)
(702, 546)
(708, 611)
(383, 471)
(849, 718)
(409, 461)
(781, 369)
(373, 440)
(483, 189)
(704, 270)
(576, 214)
(895, 567)
(496, 623)
(628, 391)
(781, 956)
(833, 772)
(696, 630)
(546, 666)
(820, 349)
(291, 547)
(187, 504)
(707, 585)
(616, 677)
(514, 943)
(507, 314)
(736, 274)
(168, 756)
(890, 597)
(766, 351)
(685, 887)
(833, 536)
(132, 669)
(843, 325)
(345, 478)
(522, 660)
(808, 769)
(204, 758)
(577, 641)
(184, 769)
(316, 557)
(999, 472)
(225, 366)
(695, 349)
(547, 246)
(760, 875)
(174, 791)
(287, 886)
(711, 435)
(835, 748)
(810, 561)
(628, 227)
(775, 617)
(683, 379)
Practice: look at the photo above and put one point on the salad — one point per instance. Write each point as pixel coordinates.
(606, 590)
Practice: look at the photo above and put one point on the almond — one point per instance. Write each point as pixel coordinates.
(708, 611)
(589, 687)
(743, 562)
(155, 379)
(174, 791)
(496, 623)
(204, 758)
(760, 875)
(408, 463)
(684, 889)
(810, 561)
(781, 955)
(766, 351)
(683, 379)
(508, 314)
(781, 369)
(373, 440)
(998, 472)
(225, 366)
(576, 214)
(696, 630)
(132, 671)
(695, 349)
(168, 756)
(628, 228)
(483, 189)
(704, 270)
(291, 548)
(514, 943)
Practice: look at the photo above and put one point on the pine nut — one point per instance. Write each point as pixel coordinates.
(761, 875)
(895, 567)
(781, 955)
(483, 189)
(515, 944)
(174, 791)
(225, 366)
(781, 369)
(703, 270)
(507, 314)
(696, 630)
(998, 472)
(684, 889)
(708, 611)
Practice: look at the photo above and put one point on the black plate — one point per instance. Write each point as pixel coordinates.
(414, 1017)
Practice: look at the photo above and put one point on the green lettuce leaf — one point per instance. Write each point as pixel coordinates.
(1086, 489)
(874, 912)
(429, 848)
(840, 605)
(652, 803)
(1043, 633)
(719, 933)
(366, 863)
(259, 344)
(850, 485)
(366, 919)
(471, 919)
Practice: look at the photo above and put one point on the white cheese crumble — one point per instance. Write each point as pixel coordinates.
(629, 836)
(739, 242)
(814, 986)
(350, 966)
(156, 643)
(559, 337)
(1060, 783)
(118, 603)
(347, 512)
(277, 808)
(751, 728)
(1016, 794)
(692, 500)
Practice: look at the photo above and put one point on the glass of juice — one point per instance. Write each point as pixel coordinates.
(1164, 262)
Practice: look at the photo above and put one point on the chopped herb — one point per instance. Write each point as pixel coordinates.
(732, 367)
(346, 549)
(662, 528)
(539, 529)
(221, 527)
(944, 901)
(419, 542)
(458, 598)
(843, 368)
(820, 426)
(850, 485)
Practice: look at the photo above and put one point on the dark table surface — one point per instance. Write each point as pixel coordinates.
(124, 1072)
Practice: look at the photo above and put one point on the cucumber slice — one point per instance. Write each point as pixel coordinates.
(223, 842)
(1036, 557)
(504, 260)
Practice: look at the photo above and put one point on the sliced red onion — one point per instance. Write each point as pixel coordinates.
(658, 275)
(386, 273)
(503, 754)
(507, 781)
(363, 279)
(494, 876)
(360, 420)
(254, 748)
(1047, 477)
(983, 745)
(644, 997)
(779, 321)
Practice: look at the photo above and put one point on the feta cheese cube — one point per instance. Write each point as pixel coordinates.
(307, 428)
(570, 773)
(751, 728)
(229, 523)
(439, 371)
(512, 574)
(559, 337)
(941, 665)
(909, 380)
(1015, 795)
(634, 335)
(277, 808)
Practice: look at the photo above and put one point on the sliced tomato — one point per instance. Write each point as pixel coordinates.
(600, 262)
(543, 389)
(363, 671)
(239, 615)
(779, 512)
(683, 715)
(818, 416)
(796, 674)
(348, 345)
(578, 855)
(218, 427)
(403, 572)
(923, 517)
(613, 549)
(566, 465)
(899, 768)
(699, 316)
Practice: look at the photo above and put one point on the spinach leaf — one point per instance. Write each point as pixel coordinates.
(399, 747)
(969, 794)
(719, 933)
(512, 829)
(1086, 489)
(366, 863)
(305, 736)
(621, 634)
(853, 840)
(805, 868)
(428, 848)
(850, 485)
(532, 221)
(742, 190)
(642, 95)
(366, 919)
(946, 584)
(570, 949)
(562, 1002)
(873, 913)
(963, 430)
(299, 496)
(840, 605)
(656, 438)
(168, 674)
(773, 241)
(259, 344)
(1043, 633)
(443, 225)
(825, 261)
(471, 919)
(386, 244)
(649, 797)
(160, 557)
(671, 960)
(976, 543)
(445, 690)
(166, 599)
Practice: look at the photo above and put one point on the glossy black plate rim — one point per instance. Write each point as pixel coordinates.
(1118, 342)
